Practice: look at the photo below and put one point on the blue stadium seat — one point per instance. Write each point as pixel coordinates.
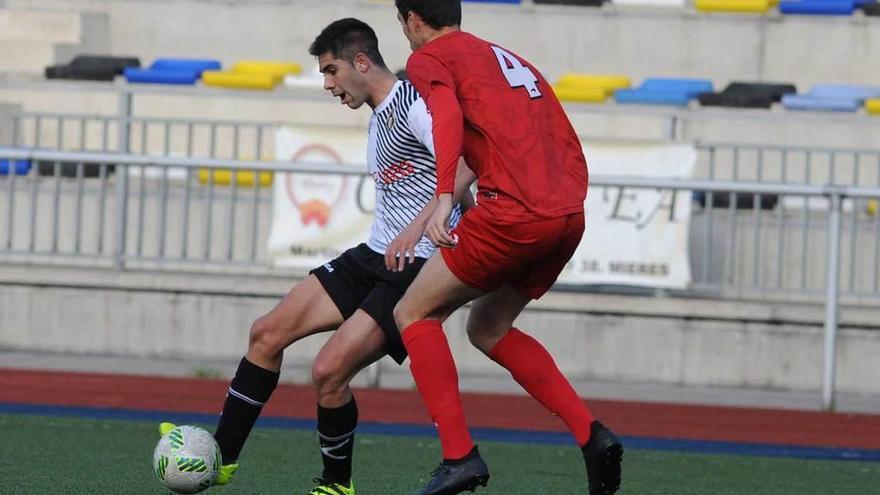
(17, 167)
(818, 7)
(831, 97)
(664, 91)
(172, 71)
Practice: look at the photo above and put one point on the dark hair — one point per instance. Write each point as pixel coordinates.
(435, 13)
(346, 38)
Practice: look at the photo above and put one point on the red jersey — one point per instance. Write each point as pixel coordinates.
(513, 132)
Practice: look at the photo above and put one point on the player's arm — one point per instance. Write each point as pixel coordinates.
(464, 179)
(421, 125)
(402, 249)
(435, 83)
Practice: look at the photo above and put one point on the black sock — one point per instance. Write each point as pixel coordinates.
(248, 392)
(336, 432)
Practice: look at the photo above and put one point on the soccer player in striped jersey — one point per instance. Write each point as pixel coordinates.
(354, 294)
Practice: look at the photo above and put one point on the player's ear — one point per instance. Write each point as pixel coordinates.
(361, 62)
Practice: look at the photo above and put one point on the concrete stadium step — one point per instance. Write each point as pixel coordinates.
(28, 25)
(26, 56)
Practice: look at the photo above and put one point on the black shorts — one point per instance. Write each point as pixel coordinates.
(358, 279)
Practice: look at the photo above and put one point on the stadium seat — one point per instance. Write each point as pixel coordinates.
(745, 6)
(873, 106)
(68, 169)
(244, 178)
(664, 91)
(818, 7)
(171, 71)
(314, 80)
(16, 167)
(276, 69)
(656, 3)
(830, 97)
(747, 95)
(237, 80)
(743, 201)
(589, 88)
(92, 68)
(581, 95)
(251, 74)
(871, 8)
(582, 3)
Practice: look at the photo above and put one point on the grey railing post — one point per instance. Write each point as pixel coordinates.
(831, 301)
(124, 119)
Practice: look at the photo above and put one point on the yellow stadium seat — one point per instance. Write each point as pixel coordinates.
(873, 105)
(872, 207)
(251, 74)
(238, 80)
(750, 6)
(589, 88)
(276, 69)
(585, 94)
(243, 178)
(608, 82)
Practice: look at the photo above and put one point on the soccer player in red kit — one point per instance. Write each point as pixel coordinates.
(496, 110)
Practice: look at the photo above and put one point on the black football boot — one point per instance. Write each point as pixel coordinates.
(603, 454)
(453, 477)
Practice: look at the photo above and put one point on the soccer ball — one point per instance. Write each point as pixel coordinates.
(187, 459)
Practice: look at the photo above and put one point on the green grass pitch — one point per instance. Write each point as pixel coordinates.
(62, 455)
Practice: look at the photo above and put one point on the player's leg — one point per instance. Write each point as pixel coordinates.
(305, 310)
(358, 343)
(490, 329)
(432, 297)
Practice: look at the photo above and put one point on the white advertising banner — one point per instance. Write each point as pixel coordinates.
(315, 217)
(633, 237)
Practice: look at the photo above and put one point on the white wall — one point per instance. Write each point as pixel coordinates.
(593, 337)
(630, 40)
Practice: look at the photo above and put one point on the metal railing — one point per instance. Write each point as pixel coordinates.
(133, 210)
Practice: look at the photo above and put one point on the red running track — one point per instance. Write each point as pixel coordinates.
(735, 424)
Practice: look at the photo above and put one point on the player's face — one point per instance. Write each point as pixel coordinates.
(408, 25)
(342, 80)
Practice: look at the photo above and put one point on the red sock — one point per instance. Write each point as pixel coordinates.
(433, 370)
(533, 368)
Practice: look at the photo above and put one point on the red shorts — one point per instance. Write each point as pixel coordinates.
(528, 256)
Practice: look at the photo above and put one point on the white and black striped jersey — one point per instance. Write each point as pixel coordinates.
(400, 157)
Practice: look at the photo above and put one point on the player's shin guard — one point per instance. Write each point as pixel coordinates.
(533, 368)
(336, 432)
(249, 391)
(433, 370)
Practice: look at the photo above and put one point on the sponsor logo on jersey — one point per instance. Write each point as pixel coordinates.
(394, 173)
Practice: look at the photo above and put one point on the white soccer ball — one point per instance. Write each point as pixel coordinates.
(187, 459)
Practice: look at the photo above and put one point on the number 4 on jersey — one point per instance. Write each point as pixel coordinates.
(516, 73)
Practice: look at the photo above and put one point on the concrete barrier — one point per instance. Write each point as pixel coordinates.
(594, 337)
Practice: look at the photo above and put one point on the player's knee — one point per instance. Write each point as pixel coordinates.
(329, 378)
(266, 337)
(478, 340)
(402, 317)
(484, 336)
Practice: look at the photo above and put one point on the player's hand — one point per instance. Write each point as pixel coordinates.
(437, 229)
(403, 247)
